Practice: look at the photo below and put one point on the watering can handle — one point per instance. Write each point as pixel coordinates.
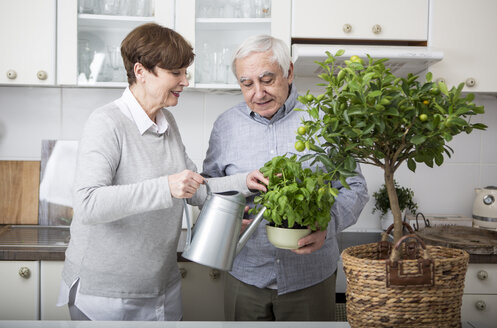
(188, 224)
(249, 231)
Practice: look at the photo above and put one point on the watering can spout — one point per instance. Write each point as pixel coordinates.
(249, 231)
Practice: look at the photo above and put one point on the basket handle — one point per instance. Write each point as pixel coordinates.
(385, 234)
(398, 277)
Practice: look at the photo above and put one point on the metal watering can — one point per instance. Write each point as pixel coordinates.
(215, 239)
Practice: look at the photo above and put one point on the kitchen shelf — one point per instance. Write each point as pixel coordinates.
(90, 21)
(232, 23)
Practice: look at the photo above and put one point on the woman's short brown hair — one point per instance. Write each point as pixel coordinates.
(154, 45)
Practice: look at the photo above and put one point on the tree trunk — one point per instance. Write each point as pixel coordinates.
(394, 204)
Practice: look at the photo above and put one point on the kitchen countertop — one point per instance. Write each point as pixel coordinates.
(35, 242)
(182, 324)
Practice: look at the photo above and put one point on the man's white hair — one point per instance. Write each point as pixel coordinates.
(263, 43)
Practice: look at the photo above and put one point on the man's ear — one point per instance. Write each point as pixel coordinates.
(290, 73)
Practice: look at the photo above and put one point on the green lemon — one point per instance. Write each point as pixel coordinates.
(309, 97)
(299, 145)
(356, 59)
(423, 117)
(301, 130)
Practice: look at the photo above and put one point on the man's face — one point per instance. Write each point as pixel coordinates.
(263, 86)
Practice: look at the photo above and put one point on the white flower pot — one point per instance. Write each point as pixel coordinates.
(285, 238)
(387, 219)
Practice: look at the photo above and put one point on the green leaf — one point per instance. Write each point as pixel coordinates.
(443, 87)
(339, 52)
(418, 140)
(411, 164)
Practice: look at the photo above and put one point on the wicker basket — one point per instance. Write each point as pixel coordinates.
(424, 289)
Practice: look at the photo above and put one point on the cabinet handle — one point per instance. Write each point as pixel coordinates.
(482, 275)
(214, 274)
(11, 74)
(347, 28)
(376, 29)
(470, 82)
(24, 272)
(183, 272)
(42, 75)
(480, 305)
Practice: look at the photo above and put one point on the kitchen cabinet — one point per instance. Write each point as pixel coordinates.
(50, 278)
(216, 29)
(29, 290)
(465, 32)
(380, 20)
(28, 42)
(89, 37)
(202, 291)
(479, 303)
(19, 290)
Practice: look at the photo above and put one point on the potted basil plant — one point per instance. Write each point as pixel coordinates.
(298, 200)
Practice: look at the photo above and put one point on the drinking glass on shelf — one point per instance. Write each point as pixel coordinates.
(87, 6)
(116, 63)
(110, 7)
(85, 58)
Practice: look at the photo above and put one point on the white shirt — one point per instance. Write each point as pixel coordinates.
(166, 307)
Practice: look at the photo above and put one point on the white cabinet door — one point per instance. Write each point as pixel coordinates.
(465, 32)
(19, 290)
(202, 291)
(360, 19)
(50, 278)
(27, 38)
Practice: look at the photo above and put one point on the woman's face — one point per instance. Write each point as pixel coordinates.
(164, 87)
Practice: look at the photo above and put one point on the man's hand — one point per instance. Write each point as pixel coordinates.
(311, 243)
(256, 181)
(184, 184)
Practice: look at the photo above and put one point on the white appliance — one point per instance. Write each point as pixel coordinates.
(402, 59)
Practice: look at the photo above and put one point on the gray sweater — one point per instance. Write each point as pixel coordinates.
(126, 225)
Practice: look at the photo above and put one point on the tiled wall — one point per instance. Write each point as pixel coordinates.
(31, 114)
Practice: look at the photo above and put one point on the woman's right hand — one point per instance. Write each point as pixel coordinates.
(184, 184)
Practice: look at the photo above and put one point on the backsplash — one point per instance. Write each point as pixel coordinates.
(29, 115)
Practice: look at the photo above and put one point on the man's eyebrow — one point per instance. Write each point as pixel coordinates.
(266, 73)
(244, 78)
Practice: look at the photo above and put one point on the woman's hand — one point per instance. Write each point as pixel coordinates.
(184, 184)
(254, 180)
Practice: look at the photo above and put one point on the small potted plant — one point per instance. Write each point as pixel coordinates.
(382, 203)
(298, 200)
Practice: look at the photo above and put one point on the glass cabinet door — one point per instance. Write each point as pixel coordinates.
(220, 26)
(90, 35)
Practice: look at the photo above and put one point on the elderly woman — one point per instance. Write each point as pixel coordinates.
(131, 176)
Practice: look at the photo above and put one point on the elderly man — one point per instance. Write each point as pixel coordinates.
(268, 283)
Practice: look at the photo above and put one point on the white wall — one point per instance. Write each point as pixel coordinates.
(31, 114)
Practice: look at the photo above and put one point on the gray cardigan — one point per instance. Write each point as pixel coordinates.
(126, 225)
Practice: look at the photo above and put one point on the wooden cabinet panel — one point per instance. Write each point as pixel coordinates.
(19, 185)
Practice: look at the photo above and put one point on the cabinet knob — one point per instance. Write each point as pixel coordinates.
(482, 275)
(25, 272)
(440, 80)
(480, 305)
(214, 274)
(183, 272)
(42, 75)
(11, 74)
(376, 29)
(470, 82)
(347, 28)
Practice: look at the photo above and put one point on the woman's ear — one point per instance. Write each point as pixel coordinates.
(139, 71)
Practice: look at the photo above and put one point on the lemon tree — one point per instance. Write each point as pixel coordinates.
(369, 115)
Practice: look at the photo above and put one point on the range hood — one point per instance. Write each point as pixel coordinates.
(402, 59)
